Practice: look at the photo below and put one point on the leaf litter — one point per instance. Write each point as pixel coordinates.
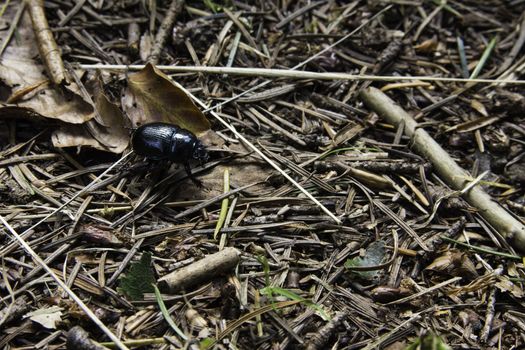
(451, 279)
(21, 71)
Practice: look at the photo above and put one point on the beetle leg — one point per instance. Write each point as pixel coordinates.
(197, 183)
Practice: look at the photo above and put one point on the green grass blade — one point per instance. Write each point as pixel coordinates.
(166, 314)
(462, 57)
(484, 57)
(224, 204)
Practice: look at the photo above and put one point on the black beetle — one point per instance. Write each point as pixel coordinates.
(162, 141)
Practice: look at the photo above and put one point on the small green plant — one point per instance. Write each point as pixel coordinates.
(138, 280)
(429, 341)
(212, 6)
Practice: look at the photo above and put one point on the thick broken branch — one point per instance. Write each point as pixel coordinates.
(455, 176)
(201, 271)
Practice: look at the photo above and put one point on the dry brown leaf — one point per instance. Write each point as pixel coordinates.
(46, 317)
(20, 70)
(475, 124)
(243, 171)
(427, 46)
(455, 263)
(152, 97)
(113, 131)
(347, 133)
(478, 106)
(107, 134)
(74, 135)
(504, 284)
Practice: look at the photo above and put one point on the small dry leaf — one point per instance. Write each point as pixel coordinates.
(478, 106)
(19, 94)
(195, 319)
(513, 269)
(427, 46)
(506, 285)
(101, 235)
(385, 294)
(47, 317)
(146, 44)
(21, 72)
(347, 133)
(151, 96)
(243, 171)
(455, 263)
(444, 262)
(475, 124)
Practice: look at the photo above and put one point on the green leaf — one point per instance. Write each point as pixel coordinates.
(138, 280)
(484, 58)
(374, 256)
(206, 343)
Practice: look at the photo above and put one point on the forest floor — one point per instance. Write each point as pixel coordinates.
(360, 193)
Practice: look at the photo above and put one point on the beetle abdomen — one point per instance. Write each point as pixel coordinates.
(154, 140)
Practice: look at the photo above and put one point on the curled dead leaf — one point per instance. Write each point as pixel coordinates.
(504, 284)
(455, 263)
(107, 132)
(151, 96)
(22, 73)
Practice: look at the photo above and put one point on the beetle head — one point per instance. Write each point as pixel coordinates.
(200, 153)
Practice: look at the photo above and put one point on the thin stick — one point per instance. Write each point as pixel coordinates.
(294, 74)
(62, 285)
(262, 155)
(425, 291)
